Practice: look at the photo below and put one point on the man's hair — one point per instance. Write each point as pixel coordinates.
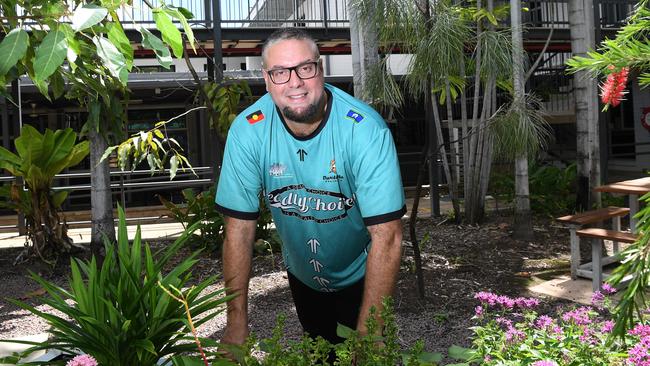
(285, 34)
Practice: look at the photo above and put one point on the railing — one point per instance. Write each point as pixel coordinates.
(555, 13)
(243, 13)
(128, 182)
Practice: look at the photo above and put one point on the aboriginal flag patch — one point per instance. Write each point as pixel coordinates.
(255, 117)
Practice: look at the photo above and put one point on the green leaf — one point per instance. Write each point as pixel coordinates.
(13, 48)
(460, 353)
(186, 13)
(113, 59)
(173, 167)
(117, 36)
(189, 361)
(170, 34)
(176, 13)
(150, 41)
(108, 152)
(74, 47)
(344, 331)
(87, 15)
(58, 85)
(50, 54)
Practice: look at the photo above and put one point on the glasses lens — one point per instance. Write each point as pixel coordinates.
(306, 71)
(280, 76)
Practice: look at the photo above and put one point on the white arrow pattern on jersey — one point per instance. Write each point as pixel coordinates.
(313, 244)
(321, 281)
(317, 265)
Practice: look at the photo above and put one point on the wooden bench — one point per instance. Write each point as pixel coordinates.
(579, 220)
(597, 261)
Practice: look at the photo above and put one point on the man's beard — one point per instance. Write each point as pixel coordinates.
(309, 115)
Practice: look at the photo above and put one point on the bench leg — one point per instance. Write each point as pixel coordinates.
(596, 263)
(616, 225)
(575, 253)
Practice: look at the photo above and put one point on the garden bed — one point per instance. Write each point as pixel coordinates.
(459, 260)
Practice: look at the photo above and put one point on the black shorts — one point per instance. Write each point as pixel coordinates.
(319, 312)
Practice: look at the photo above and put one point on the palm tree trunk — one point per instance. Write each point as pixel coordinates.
(523, 225)
(101, 200)
(453, 195)
(581, 20)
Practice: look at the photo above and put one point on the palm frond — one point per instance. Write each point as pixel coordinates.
(520, 129)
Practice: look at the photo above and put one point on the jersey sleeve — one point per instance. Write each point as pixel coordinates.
(240, 182)
(379, 191)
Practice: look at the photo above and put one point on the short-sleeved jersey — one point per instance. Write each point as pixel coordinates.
(322, 189)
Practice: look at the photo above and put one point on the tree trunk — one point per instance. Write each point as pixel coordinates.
(365, 53)
(581, 20)
(523, 225)
(101, 200)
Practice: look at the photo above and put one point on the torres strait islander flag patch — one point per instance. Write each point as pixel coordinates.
(354, 115)
(255, 117)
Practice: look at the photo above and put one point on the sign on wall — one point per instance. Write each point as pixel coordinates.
(645, 118)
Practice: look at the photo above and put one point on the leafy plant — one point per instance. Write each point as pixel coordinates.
(119, 313)
(39, 157)
(511, 332)
(199, 210)
(356, 350)
(636, 268)
(552, 189)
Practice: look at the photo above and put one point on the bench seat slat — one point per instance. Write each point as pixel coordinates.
(593, 216)
(614, 235)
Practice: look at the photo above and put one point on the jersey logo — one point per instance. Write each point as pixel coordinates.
(255, 117)
(332, 166)
(354, 115)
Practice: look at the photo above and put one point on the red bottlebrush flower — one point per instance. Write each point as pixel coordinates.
(612, 91)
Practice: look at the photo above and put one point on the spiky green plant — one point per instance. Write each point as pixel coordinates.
(119, 313)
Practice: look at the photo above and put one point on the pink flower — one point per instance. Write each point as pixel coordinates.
(612, 91)
(608, 326)
(543, 322)
(544, 363)
(608, 289)
(478, 311)
(82, 360)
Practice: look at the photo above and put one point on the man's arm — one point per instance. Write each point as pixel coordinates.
(381, 268)
(237, 254)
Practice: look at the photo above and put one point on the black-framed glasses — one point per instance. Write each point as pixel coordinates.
(305, 70)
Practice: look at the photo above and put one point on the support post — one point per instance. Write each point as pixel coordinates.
(217, 38)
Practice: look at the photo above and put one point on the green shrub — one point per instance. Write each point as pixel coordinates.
(356, 350)
(119, 313)
(199, 210)
(552, 189)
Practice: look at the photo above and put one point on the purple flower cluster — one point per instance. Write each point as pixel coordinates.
(639, 355)
(608, 289)
(492, 300)
(543, 322)
(82, 360)
(579, 316)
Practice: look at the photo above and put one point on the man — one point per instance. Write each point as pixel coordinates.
(327, 165)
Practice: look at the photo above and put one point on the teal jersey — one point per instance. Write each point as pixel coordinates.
(322, 189)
